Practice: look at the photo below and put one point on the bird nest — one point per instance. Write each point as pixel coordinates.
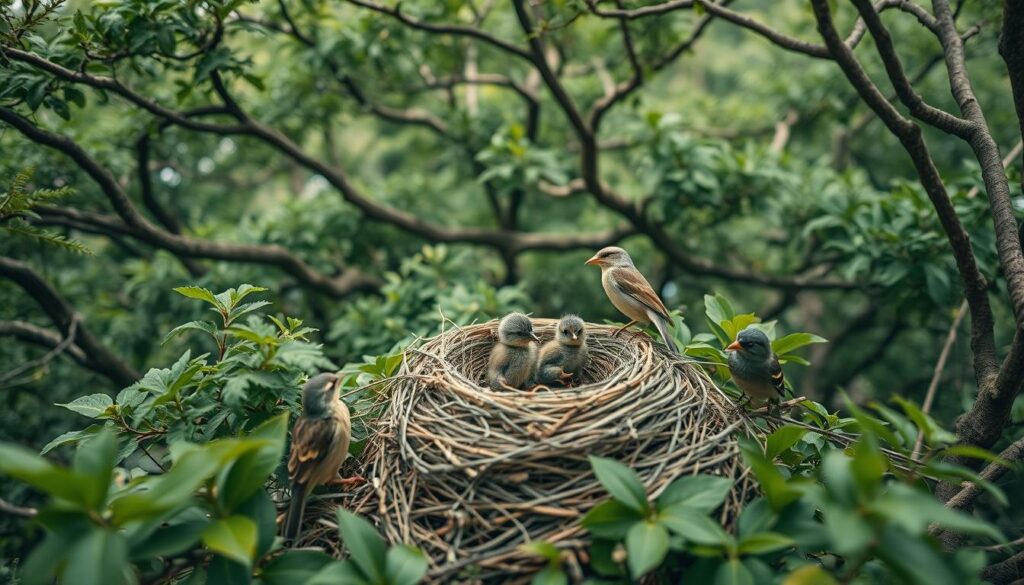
(468, 474)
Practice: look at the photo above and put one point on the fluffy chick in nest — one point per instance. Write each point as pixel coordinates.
(562, 359)
(513, 361)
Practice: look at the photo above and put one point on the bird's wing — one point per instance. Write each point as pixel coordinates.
(312, 440)
(632, 283)
(778, 378)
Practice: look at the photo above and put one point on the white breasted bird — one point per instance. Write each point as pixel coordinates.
(563, 358)
(513, 361)
(630, 292)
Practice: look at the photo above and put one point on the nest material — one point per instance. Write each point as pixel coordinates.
(468, 474)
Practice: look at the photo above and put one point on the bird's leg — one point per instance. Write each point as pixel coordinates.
(566, 377)
(347, 481)
(624, 327)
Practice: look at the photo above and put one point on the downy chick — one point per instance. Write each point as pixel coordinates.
(564, 357)
(513, 361)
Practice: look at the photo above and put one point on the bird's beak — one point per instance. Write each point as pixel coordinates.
(575, 337)
(734, 346)
(534, 336)
(594, 260)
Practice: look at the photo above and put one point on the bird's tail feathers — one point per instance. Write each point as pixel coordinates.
(293, 521)
(662, 325)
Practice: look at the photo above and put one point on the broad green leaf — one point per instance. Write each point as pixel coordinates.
(975, 452)
(404, 565)
(916, 510)
(92, 406)
(550, 576)
(933, 433)
(717, 308)
(610, 519)
(733, 572)
(204, 326)
(21, 463)
(621, 482)
(848, 532)
(837, 475)
(100, 558)
(757, 516)
(170, 540)
(250, 471)
(776, 488)
(764, 542)
(699, 492)
(233, 537)
(647, 545)
(199, 293)
(339, 573)
(693, 525)
(69, 438)
(364, 545)
(733, 326)
(782, 439)
(294, 567)
(95, 460)
(794, 341)
(914, 560)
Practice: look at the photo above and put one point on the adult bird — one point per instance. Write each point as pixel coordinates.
(754, 366)
(320, 441)
(631, 294)
(513, 361)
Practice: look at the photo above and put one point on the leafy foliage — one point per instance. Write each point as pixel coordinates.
(16, 212)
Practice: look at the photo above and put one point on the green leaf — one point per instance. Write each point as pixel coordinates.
(339, 573)
(204, 326)
(250, 471)
(404, 565)
(170, 540)
(733, 572)
(647, 545)
(975, 452)
(260, 508)
(782, 439)
(101, 558)
(848, 532)
(202, 294)
(233, 537)
(717, 308)
(364, 545)
(916, 510)
(757, 516)
(794, 341)
(699, 492)
(693, 525)
(542, 549)
(294, 567)
(764, 542)
(92, 406)
(621, 482)
(95, 460)
(610, 519)
(68, 438)
(21, 463)
(914, 560)
(550, 576)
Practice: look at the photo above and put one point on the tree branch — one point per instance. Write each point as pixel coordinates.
(909, 135)
(63, 316)
(351, 281)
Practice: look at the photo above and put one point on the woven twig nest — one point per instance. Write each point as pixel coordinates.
(468, 474)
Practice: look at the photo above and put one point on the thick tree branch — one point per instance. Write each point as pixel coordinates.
(1011, 49)
(141, 228)
(449, 29)
(909, 135)
(63, 315)
(904, 90)
(1008, 245)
